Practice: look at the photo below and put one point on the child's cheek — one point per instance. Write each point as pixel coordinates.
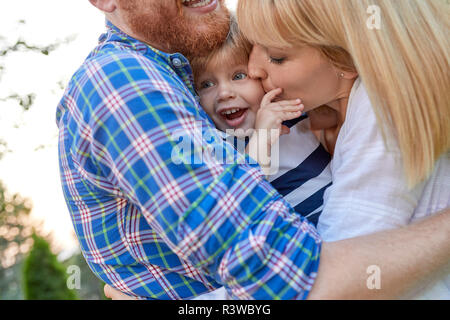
(206, 104)
(256, 106)
(251, 118)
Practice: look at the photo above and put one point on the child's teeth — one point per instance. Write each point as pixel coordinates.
(231, 111)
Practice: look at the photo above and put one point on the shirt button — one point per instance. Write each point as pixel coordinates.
(176, 62)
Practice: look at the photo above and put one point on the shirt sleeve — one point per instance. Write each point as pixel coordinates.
(151, 146)
(369, 191)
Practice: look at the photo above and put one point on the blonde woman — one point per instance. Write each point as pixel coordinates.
(383, 67)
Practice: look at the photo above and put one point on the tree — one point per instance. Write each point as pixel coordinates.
(15, 228)
(6, 48)
(15, 241)
(15, 225)
(44, 277)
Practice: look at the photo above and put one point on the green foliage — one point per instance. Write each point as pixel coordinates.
(21, 45)
(3, 150)
(15, 228)
(15, 240)
(44, 277)
(25, 101)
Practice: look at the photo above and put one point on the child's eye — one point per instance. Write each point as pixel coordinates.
(276, 60)
(206, 84)
(240, 76)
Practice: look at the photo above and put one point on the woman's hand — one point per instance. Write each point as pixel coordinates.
(114, 294)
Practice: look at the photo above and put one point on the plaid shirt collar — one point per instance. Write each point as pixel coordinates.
(177, 62)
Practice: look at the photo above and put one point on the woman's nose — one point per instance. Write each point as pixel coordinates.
(255, 69)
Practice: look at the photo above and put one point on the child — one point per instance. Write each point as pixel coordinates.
(235, 101)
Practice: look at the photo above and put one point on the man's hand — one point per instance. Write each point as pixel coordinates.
(114, 294)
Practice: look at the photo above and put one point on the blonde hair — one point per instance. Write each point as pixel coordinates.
(235, 50)
(404, 63)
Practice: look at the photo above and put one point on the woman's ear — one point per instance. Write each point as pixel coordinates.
(349, 75)
(107, 6)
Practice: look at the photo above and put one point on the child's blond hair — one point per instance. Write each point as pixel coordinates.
(235, 50)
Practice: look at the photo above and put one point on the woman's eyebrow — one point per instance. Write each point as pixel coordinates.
(277, 50)
(266, 49)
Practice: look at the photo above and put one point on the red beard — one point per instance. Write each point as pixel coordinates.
(163, 25)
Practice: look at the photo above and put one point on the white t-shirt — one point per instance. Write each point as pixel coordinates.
(303, 170)
(369, 191)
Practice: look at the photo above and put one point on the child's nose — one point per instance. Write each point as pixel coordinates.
(226, 92)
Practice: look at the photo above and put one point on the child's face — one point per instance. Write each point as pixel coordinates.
(229, 96)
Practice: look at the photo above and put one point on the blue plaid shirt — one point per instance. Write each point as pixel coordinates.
(152, 220)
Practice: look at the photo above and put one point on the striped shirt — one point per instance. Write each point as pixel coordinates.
(149, 222)
(304, 170)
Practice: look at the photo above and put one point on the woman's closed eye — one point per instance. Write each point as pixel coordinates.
(276, 60)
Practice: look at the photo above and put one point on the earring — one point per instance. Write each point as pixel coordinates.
(342, 74)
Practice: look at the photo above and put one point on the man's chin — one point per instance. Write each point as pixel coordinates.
(207, 36)
(172, 31)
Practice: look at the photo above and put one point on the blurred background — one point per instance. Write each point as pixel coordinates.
(42, 43)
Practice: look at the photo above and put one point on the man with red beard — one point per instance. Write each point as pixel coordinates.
(189, 27)
(156, 223)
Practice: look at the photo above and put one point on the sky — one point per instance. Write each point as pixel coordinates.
(31, 168)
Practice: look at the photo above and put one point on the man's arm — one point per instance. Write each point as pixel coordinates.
(145, 140)
(405, 257)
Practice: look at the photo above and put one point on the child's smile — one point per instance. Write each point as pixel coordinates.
(234, 116)
(230, 97)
